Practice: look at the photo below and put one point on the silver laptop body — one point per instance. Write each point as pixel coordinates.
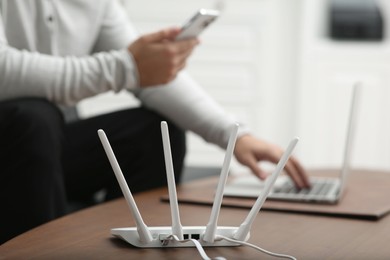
(323, 190)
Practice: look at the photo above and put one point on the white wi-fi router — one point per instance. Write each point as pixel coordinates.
(209, 235)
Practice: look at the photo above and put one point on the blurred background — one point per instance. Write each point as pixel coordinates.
(286, 68)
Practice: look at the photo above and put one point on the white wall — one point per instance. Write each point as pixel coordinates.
(328, 70)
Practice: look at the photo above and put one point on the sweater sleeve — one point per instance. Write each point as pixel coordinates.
(184, 102)
(64, 80)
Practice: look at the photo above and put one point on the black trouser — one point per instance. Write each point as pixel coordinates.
(45, 162)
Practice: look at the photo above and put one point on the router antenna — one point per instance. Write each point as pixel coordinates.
(245, 227)
(177, 228)
(209, 234)
(143, 231)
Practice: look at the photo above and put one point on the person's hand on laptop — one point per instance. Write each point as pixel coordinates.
(250, 150)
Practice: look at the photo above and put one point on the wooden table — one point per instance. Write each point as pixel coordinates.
(86, 234)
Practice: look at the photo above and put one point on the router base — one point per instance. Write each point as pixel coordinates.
(131, 236)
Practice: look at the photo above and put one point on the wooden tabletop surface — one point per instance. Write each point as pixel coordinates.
(86, 234)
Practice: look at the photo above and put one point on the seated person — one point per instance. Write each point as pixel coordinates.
(60, 52)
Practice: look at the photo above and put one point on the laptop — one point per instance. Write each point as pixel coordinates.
(323, 190)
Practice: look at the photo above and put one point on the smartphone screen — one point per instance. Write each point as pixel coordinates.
(198, 23)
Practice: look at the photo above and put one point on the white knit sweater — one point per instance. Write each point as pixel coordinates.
(68, 50)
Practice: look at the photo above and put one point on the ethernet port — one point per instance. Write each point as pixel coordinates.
(195, 236)
(186, 236)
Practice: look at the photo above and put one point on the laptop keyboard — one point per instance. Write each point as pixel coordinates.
(318, 188)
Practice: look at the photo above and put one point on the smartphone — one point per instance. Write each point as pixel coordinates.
(198, 22)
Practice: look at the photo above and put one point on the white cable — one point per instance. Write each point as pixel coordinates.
(197, 244)
(218, 237)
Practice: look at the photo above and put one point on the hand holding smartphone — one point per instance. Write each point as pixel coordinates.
(197, 23)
